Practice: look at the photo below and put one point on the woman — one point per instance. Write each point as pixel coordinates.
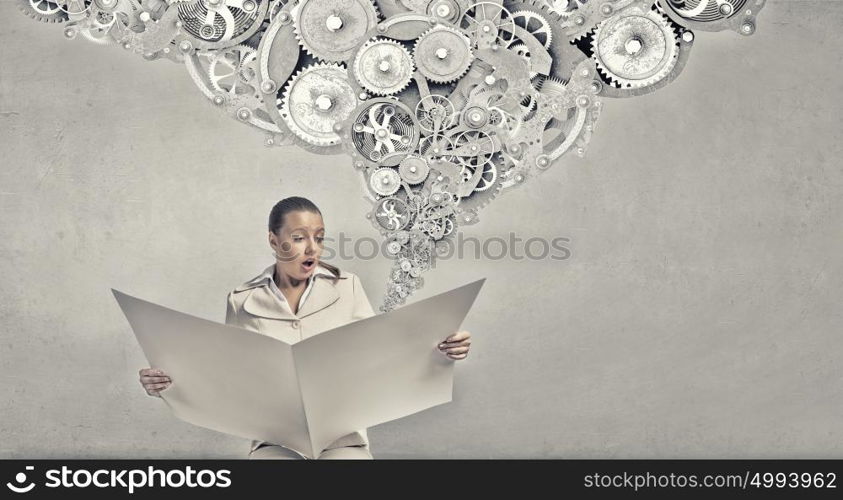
(295, 298)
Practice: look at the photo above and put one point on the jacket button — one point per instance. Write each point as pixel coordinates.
(296, 324)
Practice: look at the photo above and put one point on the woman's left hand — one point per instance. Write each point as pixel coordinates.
(456, 346)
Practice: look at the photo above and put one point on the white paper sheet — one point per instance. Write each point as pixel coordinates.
(307, 394)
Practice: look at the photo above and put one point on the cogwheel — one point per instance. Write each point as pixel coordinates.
(413, 169)
(635, 50)
(315, 99)
(535, 24)
(47, 11)
(228, 23)
(383, 67)
(384, 131)
(230, 70)
(332, 30)
(385, 181)
(443, 54)
(553, 86)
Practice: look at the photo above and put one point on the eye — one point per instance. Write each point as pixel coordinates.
(297, 238)
(320, 239)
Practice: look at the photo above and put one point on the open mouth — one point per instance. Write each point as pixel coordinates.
(308, 264)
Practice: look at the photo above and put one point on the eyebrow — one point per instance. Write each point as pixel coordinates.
(305, 229)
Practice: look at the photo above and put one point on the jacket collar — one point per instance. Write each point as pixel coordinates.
(261, 301)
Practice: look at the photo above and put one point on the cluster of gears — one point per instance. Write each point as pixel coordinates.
(441, 104)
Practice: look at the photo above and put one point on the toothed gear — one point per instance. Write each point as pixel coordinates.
(392, 214)
(385, 181)
(435, 112)
(635, 50)
(383, 67)
(413, 169)
(385, 131)
(535, 24)
(231, 70)
(47, 11)
(443, 54)
(316, 98)
(488, 24)
(215, 24)
(331, 30)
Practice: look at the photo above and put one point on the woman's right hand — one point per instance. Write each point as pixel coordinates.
(154, 381)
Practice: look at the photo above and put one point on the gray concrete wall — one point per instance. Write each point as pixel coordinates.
(698, 316)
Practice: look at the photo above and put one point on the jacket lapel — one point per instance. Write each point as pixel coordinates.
(323, 294)
(262, 302)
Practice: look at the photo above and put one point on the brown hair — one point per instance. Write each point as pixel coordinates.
(295, 204)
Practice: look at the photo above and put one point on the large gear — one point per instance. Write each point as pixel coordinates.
(535, 24)
(443, 54)
(332, 30)
(316, 99)
(383, 67)
(47, 11)
(635, 49)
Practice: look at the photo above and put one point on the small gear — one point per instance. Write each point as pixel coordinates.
(47, 11)
(385, 181)
(315, 99)
(435, 113)
(413, 169)
(392, 214)
(442, 54)
(383, 67)
(332, 30)
(635, 50)
(230, 70)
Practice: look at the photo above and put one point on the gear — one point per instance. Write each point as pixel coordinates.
(635, 50)
(535, 24)
(435, 113)
(488, 24)
(383, 67)
(392, 214)
(385, 131)
(316, 98)
(215, 24)
(47, 11)
(413, 169)
(385, 181)
(230, 70)
(331, 30)
(443, 54)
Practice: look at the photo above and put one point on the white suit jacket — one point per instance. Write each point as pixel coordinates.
(331, 302)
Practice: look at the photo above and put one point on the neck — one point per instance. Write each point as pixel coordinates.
(284, 281)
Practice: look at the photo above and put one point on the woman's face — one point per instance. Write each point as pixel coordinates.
(298, 244)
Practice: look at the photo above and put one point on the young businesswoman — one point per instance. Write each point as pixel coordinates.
(295, 298)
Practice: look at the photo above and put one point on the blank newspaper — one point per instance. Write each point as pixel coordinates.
(307, 394)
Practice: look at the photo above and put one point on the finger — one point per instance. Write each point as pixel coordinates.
(461, 335)
(152, 372)
(154, 380)
(458, 356)
(153, 393)
(457, 350)
(156, 387)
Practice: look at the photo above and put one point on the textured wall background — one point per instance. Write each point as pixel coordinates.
(698, 316)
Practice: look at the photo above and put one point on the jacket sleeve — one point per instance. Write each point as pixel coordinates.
(230, 310)
(362, 306)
